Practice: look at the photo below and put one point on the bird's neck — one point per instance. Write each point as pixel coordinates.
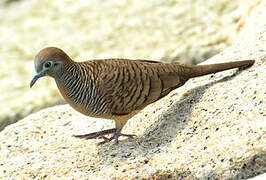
(70, 73)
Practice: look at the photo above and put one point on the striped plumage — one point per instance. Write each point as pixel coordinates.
(116, 88)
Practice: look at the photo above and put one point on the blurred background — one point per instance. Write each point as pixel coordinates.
(187, 31)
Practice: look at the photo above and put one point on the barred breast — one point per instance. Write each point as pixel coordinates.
(79, 89)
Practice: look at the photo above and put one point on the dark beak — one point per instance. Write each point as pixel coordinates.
(36, 77)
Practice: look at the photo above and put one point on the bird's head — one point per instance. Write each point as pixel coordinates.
(49, 62)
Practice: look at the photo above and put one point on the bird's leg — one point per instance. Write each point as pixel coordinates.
(101, 134)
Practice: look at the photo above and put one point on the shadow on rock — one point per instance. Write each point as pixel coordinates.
(169, 126)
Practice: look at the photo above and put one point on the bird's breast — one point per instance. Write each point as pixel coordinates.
(84, 98)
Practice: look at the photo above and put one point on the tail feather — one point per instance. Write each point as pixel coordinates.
(200, 70)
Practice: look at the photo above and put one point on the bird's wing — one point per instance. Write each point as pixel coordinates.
(132, 85)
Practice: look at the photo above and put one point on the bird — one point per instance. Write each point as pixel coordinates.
(116, 89)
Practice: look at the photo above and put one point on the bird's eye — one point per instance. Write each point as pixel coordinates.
(47, 64)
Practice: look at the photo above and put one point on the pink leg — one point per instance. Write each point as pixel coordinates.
(101, 134)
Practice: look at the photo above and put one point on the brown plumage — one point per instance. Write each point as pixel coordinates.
(116, 88)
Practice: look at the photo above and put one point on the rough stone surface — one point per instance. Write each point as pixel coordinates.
(259, 177)
(212, 127)
(163, 30)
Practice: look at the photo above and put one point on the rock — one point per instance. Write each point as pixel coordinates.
(259, 177)
(163, 30)
(212, 127)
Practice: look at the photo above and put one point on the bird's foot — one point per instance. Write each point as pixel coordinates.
(116, 135)
(101, 134)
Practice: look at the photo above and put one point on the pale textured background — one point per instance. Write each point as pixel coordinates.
(182, 30)
(212, 127)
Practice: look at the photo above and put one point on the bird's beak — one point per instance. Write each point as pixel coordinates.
(36, 77)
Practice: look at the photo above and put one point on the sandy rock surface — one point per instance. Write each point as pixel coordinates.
(169, 30)
(259, 177)
(212, 127)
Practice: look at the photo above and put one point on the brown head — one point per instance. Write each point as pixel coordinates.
(49, 61)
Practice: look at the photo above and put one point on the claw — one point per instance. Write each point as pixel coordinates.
(105, 140)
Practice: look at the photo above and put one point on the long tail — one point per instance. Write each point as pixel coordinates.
(200, 70)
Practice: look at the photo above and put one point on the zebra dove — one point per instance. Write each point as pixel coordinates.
(116, 89)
